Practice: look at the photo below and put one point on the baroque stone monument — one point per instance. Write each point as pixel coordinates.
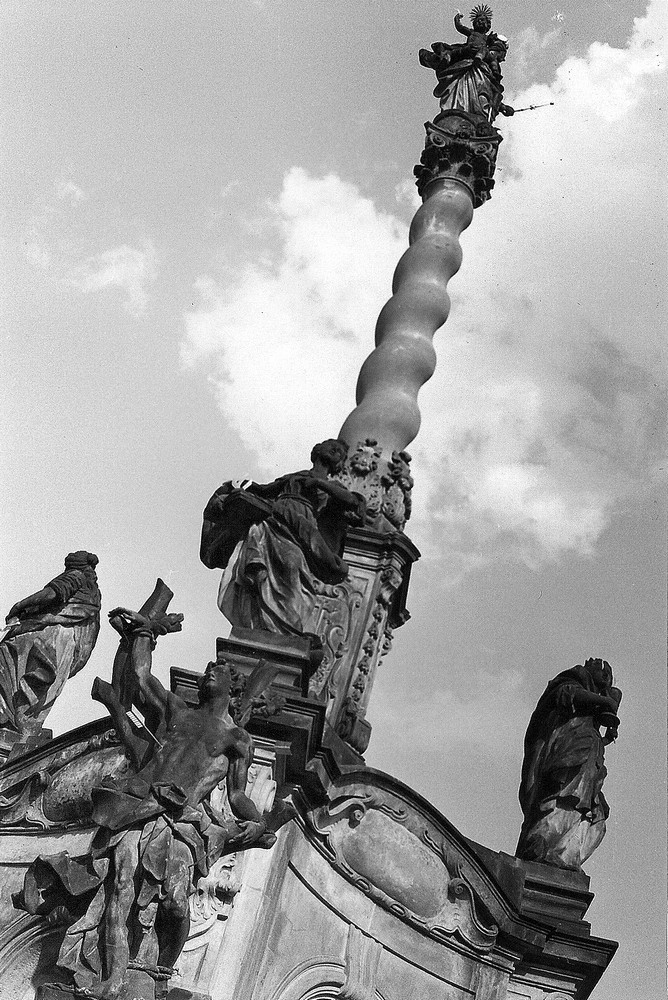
(224, 839)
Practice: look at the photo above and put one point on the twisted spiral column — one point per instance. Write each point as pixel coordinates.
(404, 357)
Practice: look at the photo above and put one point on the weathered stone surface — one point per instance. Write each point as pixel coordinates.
(331, 931)
(563, 770)
(276, 540)
(384, 481)
(462, 148)
(48, 638)
(124, 903)
(469, 74)
(356, 621)
(371, 892)
(50, 786)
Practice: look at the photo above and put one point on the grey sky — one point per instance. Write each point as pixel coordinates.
(203, 206)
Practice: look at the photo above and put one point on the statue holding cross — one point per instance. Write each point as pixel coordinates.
(125, 903)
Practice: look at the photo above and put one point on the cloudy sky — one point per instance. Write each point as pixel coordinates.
(203, 206)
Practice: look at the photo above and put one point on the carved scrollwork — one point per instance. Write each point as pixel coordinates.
(53, 794)
(336, 607)
(212, 899)
(460, 146)
(413, 877)
(375, 646)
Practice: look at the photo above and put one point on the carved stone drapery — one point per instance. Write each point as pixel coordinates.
(48, 638)
(384, 481)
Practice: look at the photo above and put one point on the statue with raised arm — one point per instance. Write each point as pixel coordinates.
(125, 904)
(469, 74)
(274, 540)
(563, 771)
(48, 638)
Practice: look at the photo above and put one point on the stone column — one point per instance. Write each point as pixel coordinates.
(404, 357)
(355, 619)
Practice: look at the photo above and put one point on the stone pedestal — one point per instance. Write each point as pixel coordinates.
(355, 620)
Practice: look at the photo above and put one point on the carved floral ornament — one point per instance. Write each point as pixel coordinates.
(336, 607)
(417, 876)
(385, 483)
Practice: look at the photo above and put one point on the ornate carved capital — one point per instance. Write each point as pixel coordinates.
(462, 147)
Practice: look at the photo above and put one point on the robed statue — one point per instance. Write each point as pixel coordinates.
(48, 638)
(469, 74)
(125, 903)
(563, 771)
(275, 540)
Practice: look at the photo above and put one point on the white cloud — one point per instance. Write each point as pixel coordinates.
(288, 336)
(542, 414)
(525, 47)
(126, 268)
(55, 238)
(69, 191)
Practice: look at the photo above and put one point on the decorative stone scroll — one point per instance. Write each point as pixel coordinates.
(356, 620)
(394, 855)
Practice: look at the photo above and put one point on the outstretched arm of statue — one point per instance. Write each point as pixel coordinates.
(33, 604)
(141, 632)
(340, 493)
(460, 26)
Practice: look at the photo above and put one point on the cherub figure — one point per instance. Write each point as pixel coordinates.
(478, 37)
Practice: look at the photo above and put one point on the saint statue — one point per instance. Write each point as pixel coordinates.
(275, 540)
(48, 638)
(469, 74)
(125, 903)
(563, 770)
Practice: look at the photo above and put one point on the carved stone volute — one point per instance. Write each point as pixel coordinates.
(355, 621)
(461, 147)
